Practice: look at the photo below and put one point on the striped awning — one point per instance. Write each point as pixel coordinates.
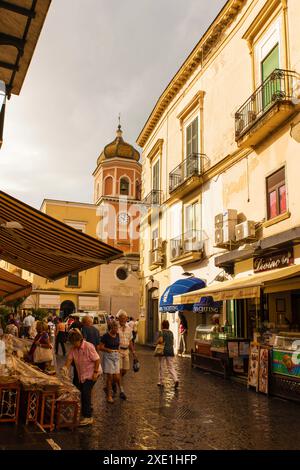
(13, 287)
(40, 244)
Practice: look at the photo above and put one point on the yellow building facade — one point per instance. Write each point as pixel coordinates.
(75, 292)
(220, 164)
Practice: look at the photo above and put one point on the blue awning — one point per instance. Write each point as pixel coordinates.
(207, 305)
(182, 286)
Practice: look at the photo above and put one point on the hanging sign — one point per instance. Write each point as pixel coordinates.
(279, 260)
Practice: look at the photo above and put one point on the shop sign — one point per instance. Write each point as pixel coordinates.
(267, 263)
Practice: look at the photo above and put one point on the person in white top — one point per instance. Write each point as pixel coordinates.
(27, 323)
(126, 346)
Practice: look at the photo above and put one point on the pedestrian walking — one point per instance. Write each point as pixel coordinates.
(126, 346)
(90, 332)
(87, 363)
(166, 361)
(76, 324)
(27, 324)
(41, 353)
(110, 344)
(183, 331)
(60, 336)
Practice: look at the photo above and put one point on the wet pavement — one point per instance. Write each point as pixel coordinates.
(205, 413)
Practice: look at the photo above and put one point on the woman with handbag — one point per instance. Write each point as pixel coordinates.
(41, 352)
(165, 352)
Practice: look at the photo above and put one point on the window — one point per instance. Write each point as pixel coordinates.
(192, 138)
(124, 187)
(108, 186)
(155, 239)
(276, 194)
(73, 280)
(122, 274)
(155, 176)
(192, 217)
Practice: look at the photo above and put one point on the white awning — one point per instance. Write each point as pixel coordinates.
(243, 288)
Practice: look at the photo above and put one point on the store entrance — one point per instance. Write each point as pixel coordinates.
(296, 310)
(152, 317)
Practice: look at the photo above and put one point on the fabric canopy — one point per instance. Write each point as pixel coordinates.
(45, 246)
(242, 288)
(13, 287)
(181, 286)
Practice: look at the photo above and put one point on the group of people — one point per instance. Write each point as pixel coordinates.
(115, 347)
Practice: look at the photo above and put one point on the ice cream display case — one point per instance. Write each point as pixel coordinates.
(203, 339)
(286, 355)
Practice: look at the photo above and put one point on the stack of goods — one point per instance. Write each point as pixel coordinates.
(45, 399)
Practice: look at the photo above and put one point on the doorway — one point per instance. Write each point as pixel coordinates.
(67, 308)
(152, 317)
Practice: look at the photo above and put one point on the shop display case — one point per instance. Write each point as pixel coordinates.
(286, 355)
(203, 339)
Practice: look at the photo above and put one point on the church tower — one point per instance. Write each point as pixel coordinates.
(117, 195)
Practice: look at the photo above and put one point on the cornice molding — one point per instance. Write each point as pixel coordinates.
(197, 100)
(157, 148)
(261, 19)
(198, 56)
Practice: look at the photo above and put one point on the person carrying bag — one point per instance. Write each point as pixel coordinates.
(41, 352)
(165, 352)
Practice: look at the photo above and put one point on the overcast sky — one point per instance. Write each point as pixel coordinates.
(94, 59)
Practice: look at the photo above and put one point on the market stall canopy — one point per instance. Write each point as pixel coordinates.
(21, 22)
(242, 288)
(182, 286)
(40, 244)
(13, 287)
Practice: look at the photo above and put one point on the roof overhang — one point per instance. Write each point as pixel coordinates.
(21, 22)
(40, 244)
(13, 287)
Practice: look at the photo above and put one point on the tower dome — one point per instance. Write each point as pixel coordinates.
(118, 148)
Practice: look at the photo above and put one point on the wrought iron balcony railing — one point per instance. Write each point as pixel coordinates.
(154, 198)
(193, 165)
(278, 87)
(191, 241)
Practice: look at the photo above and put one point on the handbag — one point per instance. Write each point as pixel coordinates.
(42, 355)
(159, 349)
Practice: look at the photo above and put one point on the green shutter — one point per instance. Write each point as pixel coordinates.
(268, 65)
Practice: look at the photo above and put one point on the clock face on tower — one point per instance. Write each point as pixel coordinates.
(123, 218)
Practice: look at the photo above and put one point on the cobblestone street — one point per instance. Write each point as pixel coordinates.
(205, 413)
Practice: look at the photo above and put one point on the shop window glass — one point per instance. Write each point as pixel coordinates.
(276, 194)
(282, 199)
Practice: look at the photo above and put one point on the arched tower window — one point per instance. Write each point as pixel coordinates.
(108, 186)
(124, 187)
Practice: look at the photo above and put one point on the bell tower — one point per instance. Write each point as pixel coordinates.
(117, 196)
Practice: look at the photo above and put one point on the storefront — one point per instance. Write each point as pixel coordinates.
(169, 311)
(262, 315)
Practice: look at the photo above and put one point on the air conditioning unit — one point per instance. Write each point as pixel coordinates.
(219, 221)
(218, 236)
(245, 230)
(157, 257)
(229, 215)
(156, 243)
(176, 251)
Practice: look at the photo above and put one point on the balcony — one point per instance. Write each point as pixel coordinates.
(187, 248)
(186, 176)
(154, 198)
(269, 107)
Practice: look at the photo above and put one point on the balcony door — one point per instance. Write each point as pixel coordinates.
(270, 87)
(156, 176)
(192, 149)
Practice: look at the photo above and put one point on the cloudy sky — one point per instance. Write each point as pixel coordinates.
(94, 59)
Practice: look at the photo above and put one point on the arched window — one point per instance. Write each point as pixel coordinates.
(108, 186)
(124, 186)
